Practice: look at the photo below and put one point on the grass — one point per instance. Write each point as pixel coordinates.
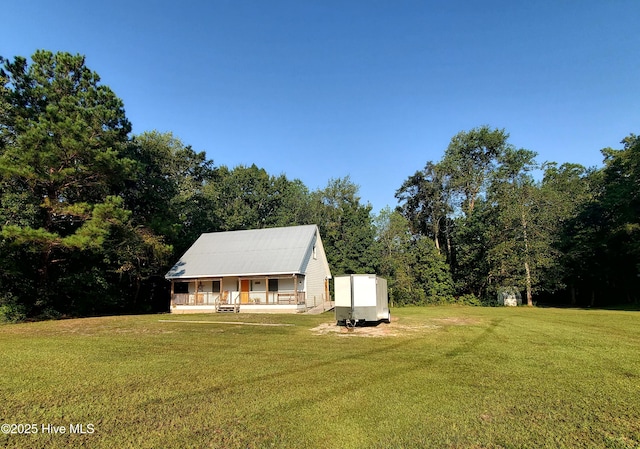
(455, 377)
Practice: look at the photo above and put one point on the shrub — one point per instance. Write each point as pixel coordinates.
(11, 311)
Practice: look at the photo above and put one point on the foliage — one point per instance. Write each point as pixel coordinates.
(168, 192)
(418, 273)
(567, 190)
(471, 300)
(63, 164)
(518, 242)
(603, 240)
(572, 233)
(425, 201)
(250, 198)
(469, 161)
(91, 217)
(346, 227)
(11, 310)
(471, 241)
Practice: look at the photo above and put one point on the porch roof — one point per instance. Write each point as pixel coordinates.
(273, 251)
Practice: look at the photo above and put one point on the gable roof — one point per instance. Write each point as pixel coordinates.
(248, 253)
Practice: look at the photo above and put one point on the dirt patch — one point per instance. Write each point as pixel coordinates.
(393, 329)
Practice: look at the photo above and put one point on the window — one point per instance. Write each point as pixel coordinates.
(273, 285)
(315, 253)
(215, 287)
(181, 287)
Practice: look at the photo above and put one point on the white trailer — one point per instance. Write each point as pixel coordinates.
(361, 298)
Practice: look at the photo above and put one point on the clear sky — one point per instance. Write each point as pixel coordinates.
(370, 89)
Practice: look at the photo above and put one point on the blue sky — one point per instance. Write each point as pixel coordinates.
(370, 89)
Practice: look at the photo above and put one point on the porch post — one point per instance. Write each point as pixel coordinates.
(266, 290)
(295, 288)
(195, 299)
(326, 290)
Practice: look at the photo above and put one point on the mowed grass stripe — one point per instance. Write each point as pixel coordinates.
(462, 377)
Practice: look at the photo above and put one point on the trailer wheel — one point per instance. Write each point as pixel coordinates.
(388, 319)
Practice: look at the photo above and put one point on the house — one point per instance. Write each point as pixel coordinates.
(260, 270)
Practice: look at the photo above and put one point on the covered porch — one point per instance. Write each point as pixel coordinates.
(251, 293)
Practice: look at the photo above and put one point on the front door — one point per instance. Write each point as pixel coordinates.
(244, 291)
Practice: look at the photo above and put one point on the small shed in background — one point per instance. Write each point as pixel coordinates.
(509, 296)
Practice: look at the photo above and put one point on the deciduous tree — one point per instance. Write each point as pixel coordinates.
(469, 161)
(346, 226)
(425, 201)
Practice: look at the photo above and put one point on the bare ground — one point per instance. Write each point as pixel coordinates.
(393, 329)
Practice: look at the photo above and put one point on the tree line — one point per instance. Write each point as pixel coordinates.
(570, 237)
(92, 216)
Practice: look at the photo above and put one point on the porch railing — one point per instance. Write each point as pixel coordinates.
(195, 299)
(234, 297)
(291, 297)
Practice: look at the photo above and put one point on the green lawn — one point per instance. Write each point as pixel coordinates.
(452, 377)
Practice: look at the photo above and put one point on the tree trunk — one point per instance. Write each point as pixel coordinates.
(449, 251)
(528, 273)
(436, 233)
(527, 269)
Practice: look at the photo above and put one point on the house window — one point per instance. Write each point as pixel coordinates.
(273, 285)
(315, 253)
(215, 287)
(181, 287)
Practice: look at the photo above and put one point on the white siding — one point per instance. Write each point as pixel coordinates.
(316, 273)
(258, 285)
(230, 284)
(285, 284)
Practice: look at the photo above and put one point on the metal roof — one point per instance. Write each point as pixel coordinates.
(247, 253)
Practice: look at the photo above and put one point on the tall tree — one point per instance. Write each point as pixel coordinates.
(425, 201)
(251, 198)
(470, 159)
(566, 191)
(62, 167)
(168, 191)
(620, 206)
(472, 241)
(514, 194)
(417, 272)
(346, 226)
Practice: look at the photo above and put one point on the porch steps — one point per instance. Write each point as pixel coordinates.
(228, 308)
(321, 308)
